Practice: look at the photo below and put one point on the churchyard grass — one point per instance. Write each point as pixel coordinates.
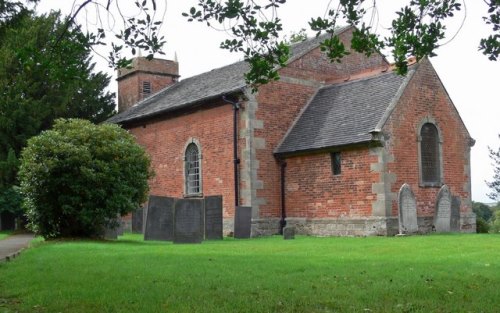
(436, 273)
(4, 234)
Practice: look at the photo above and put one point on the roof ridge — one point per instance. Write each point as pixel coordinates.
(360, 79)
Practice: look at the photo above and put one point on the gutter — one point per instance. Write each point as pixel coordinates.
(282, 195)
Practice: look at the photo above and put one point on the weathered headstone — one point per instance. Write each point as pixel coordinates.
(407, 210)
(137, 220)
(188, 221)
(112, 232)
(288, 233)
(213, 217)
(442, 216)
(455, 214)
(159, 219)
(243, 222)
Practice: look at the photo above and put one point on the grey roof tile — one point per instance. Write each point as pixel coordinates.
(202, 87)
(342, 114)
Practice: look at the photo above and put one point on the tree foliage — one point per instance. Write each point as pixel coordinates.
(482, 211)
(416, 31)
(41, 82)
(139, 30)
(77, 177)
(495, 183)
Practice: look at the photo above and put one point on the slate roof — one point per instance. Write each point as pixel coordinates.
(203, 87)
(344, 114)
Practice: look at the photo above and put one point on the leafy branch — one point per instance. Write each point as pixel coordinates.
(256, 33)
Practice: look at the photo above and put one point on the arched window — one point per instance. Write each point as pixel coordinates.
(192, 170)
(430, 155)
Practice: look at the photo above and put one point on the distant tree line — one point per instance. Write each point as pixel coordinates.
(487, 217)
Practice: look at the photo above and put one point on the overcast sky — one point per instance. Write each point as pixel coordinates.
(471, 80)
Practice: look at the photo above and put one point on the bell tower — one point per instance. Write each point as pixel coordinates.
(144, 78)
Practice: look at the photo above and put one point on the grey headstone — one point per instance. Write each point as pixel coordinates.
(159, 219)
(243, 222)
(407, 206)
(455, 214)
(442, 216)
(188, 221)
(288, 233)
(137, 220)
(213, 218)
(111, 232)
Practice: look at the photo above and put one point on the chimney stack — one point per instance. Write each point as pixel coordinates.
(143, 79)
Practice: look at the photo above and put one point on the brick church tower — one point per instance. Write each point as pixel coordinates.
(143, 79)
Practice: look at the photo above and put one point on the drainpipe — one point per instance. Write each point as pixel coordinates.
(236, 160)
(283, 208)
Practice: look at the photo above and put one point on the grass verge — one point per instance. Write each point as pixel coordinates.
(439, 273)
(4, 234)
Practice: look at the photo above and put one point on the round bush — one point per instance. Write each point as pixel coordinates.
(77, 177)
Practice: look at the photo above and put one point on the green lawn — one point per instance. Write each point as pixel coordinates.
(4, 234)
(446, 273)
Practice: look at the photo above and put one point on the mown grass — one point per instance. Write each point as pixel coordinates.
(4, 234)
(439, 273)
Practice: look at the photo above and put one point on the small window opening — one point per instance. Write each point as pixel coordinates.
(146, 88)
(336, 163)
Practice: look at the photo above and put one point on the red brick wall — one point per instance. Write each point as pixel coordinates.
(165, 141)
(281, 102)
(312, 191)
(425, 97)
(159, 72)
(315, 65)
(130, 88)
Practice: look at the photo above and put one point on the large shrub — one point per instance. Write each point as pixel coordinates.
(77, 177)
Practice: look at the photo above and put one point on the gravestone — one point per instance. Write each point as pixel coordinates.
(407, 206)
(442, 216)
(188, 221)
(112, 232)
(455, 214)
(243, 222)
(159, 218)
(137, 220)
(213, 218)
(288, 233)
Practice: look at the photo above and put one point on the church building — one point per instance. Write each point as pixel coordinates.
(325, 149)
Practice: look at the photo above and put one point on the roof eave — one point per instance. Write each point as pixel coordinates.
(348, 146)
(177, 108)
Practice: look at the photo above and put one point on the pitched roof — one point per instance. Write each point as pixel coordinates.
(344, 114)
(206, 86)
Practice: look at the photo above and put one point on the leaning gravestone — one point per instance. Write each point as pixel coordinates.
(407, 211)
(243, 222)
(442, 216)
(159, 218)
(213, 218)
(137, 220)
(188, 221)
(455, 214)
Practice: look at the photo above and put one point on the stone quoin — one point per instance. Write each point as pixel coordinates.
(324, 150)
